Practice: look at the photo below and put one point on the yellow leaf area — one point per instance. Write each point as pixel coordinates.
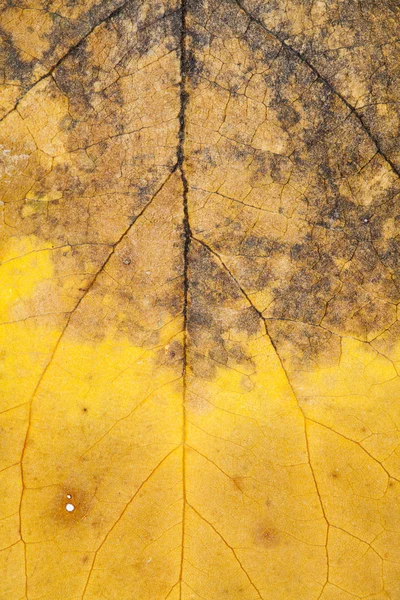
(199, 283)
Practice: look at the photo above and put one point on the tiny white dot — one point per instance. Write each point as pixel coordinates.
(69, 496)
(69, 507)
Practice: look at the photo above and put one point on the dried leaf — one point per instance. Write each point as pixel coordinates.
(199, 285)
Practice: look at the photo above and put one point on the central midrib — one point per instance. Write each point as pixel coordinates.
(186, 248)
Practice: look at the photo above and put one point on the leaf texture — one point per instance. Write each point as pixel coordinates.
(199, 284)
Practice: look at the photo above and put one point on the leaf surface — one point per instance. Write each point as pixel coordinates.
(199, 285)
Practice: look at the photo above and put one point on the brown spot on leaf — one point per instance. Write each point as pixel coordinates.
(269, 537)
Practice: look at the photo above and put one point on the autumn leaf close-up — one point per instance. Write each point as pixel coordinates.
(199, 290)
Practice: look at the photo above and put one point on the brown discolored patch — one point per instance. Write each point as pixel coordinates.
(310, 232)
(358, 65)
(72, 503)
(269, 537)
(217, 314)
(35, 38)
(97, 166)
(171, 355)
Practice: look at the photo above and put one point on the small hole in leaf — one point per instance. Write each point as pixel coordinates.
(127, 261)
(69, 507)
